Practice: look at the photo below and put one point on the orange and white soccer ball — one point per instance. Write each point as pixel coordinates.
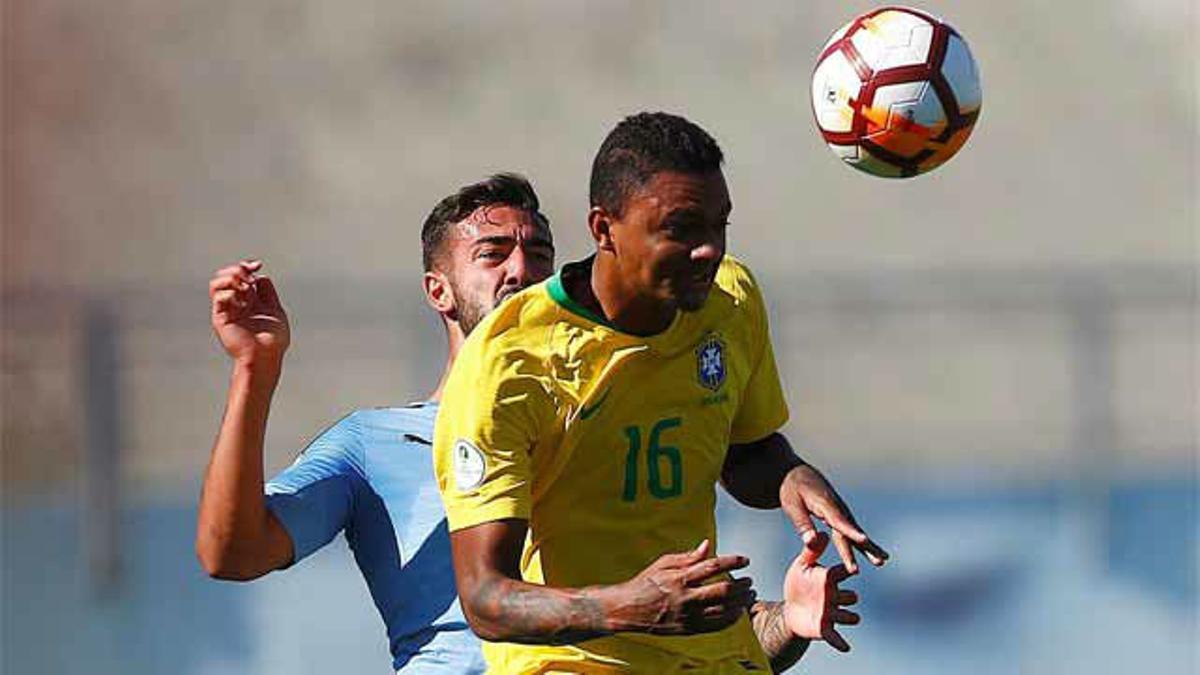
(896, 92)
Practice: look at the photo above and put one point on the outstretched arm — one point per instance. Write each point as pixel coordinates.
(668, 597)
(768, 474)
(237, 537)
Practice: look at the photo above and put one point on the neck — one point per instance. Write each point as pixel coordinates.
(622, 306)
(454, 342)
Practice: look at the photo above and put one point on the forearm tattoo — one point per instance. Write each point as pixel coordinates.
(782, 648)
(521, 612)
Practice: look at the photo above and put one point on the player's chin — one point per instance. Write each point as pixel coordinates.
(691, 298)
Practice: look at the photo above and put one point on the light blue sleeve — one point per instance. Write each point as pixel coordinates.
(314, 497)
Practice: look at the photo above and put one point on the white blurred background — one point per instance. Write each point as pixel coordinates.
(995, 362)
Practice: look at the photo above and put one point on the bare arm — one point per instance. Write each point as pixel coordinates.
(668, 597)
(237, 537)
(753, 472)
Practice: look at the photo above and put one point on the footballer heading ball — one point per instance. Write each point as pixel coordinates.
(896, 92)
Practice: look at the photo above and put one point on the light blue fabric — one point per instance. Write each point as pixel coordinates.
(371, 475)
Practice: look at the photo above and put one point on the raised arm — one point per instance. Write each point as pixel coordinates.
(668, 597)
(237, 537)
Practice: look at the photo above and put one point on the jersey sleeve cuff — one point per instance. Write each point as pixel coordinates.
(759, 431)
(290, 511)
(497, 509)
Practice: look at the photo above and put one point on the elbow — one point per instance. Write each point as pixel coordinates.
(483, 626)
(221, 562)
(483, 606)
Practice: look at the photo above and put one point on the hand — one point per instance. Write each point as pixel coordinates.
(671, 596)
(805, 493)
(812, 601)
(247, 316)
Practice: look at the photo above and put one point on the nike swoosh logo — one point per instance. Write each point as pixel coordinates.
(587, 411)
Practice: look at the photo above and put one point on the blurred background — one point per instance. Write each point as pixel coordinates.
(996, 363)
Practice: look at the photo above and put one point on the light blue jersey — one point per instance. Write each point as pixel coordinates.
(371, 475)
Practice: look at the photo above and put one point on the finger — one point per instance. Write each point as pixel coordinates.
(801, 520)
(235, 270)
(847, 598)
(722, 612)
(845, 551)
(739, 602)
(706, 569)
(229, 302)
(839, 573)
(814, 548)
(717, 619)
(839, 518)
(682, 558)
(267, 295)
(845, 616)
(225, 281)
(835, 640)
(874, 552)
(719, 592)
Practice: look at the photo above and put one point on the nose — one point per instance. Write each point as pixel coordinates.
(708, 252)
(517, 270)
(709, 245)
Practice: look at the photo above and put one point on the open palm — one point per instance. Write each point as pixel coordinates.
(813, 603)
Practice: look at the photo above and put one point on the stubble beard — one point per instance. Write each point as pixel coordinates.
(470, 312)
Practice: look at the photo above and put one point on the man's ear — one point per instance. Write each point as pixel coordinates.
(438, 294)
(600, 225)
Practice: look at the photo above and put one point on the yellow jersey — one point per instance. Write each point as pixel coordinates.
(611, 446)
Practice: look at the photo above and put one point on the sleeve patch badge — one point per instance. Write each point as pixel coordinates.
(469, 466)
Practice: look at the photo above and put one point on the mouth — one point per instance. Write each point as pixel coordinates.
(508, 293)
(703, 278)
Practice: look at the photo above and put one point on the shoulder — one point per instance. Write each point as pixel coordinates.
(737, 295)
(513, 339)
(735, 279)
(340, 444)
(415, 419)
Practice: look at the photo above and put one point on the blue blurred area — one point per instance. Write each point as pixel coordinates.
(1046, 579)
(983, 580)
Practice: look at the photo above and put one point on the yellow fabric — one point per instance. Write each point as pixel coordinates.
(610, 445)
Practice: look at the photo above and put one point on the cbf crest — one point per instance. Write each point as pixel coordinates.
(710, 362)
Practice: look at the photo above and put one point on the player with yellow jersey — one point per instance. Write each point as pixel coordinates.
(588, 419)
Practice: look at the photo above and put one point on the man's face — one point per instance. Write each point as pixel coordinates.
(671, 237)
(493, 253)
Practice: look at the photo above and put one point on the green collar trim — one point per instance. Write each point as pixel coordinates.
(559, 294)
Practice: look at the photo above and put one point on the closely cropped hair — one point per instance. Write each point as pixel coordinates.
(501, 189)
(640, 146)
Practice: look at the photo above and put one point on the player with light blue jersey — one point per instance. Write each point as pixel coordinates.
(371, 475)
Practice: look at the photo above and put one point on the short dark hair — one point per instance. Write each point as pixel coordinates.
(640, 146)
(501, 189)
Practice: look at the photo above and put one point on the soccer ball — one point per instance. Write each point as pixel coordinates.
(896, 92)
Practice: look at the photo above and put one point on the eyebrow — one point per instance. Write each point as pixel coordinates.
(504, 239)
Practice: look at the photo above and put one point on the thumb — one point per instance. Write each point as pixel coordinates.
(813, 549)
(701, 551)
